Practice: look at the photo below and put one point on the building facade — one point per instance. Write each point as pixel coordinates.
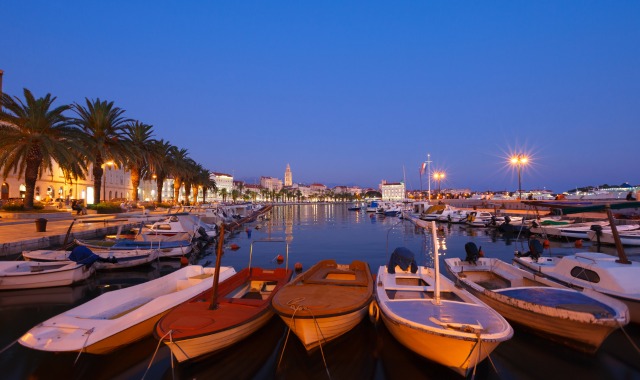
(270, 183)
(392, 191)
(223, 181)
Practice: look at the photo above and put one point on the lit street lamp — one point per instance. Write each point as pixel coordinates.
(519, 160)
(438, 176)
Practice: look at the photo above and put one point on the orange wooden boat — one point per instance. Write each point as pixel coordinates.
(223, 315)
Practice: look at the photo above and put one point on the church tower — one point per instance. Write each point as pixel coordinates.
(288, 179)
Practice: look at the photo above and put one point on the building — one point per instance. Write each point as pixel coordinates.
(288, 177)
(223, 181)
(270, 183)
(116, 183)
(392, 191)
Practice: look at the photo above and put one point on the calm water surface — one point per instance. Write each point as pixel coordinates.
(314, 232)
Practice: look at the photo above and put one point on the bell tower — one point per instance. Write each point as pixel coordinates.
(288, 177)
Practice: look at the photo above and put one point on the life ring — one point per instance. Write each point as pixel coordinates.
(374, 312)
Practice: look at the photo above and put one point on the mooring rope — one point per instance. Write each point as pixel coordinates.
(84, 345)
(629, 337)
(156, 351)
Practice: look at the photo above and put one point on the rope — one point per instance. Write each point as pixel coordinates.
(156, 351)
(89, 332)
(7, 347)
(475, 366)
(630, 340)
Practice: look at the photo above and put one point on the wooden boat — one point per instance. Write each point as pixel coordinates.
(109, 259)
(326, 301)
(225, 314)
(31, 274)
(582, 320)
(120, 317)
(428, 314)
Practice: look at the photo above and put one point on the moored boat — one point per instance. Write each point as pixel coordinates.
(429, 315)
(326, 301)
(120, 317)
(582, 320)
(108, 259)
(32, 274)
(224, 314)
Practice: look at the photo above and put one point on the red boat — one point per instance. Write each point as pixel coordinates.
(224, 314)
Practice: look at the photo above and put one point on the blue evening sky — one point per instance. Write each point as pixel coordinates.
(354, 92)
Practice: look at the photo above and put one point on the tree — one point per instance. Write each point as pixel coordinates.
(160, 160)
(104, 125)
(223, 193)
(178, 169)
(33, 136)
(140, 147)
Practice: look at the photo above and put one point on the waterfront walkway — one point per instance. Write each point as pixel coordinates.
(19, 234)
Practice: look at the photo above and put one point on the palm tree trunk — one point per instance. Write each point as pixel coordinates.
(98, 171)
(177, 183)
(159, 183)
(30, 178)
(135, 183)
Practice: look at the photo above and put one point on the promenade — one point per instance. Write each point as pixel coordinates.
(19, 234)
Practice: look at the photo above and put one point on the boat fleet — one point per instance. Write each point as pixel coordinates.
(575, 300)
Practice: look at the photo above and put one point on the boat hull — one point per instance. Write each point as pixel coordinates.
(460, 355)
(32, 275)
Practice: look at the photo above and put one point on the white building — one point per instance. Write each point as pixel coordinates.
(392, 191)
(223, 181)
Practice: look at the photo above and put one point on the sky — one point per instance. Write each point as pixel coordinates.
(354, 92)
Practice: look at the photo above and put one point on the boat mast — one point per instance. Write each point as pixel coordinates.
(436, 262)
(216, 275)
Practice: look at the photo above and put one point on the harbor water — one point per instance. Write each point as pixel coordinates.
(312, 232)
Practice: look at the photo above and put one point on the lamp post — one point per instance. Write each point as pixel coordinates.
(438, 176)
(519, 160)
(104, 179)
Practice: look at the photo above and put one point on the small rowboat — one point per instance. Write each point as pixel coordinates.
(120, 317)
(326, 301)
(31, 274)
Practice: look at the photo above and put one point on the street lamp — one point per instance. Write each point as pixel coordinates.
(519, 160)
(438, 176)
(104, 179)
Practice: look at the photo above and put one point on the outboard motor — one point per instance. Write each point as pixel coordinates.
(507, 219)
(404, 258)
(598, 230)
(535, 250)
(473, 253)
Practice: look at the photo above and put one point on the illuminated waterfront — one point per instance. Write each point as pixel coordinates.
(314, 232)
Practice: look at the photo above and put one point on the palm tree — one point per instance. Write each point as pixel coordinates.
(180, 163)
(140, 145)
(104, 125)
(160, 161)
(223, 193)
(33, 135)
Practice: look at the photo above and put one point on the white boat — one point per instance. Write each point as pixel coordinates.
(606, 237)
(443, 215)
(428, 314)
(372, 206)
(120, 317)
(591, 270)
(457, 216)
(169, 246)
(582, 320)
(181, 223)
(479, 218)
(326, 301)
(31, 274)
(433, 212)
(581, 230)
(108, 259)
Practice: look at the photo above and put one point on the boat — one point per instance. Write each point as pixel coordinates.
(581, 320)
(606, 237)
(180, 223)
(107, 259)
(169, 246)
(326, 301)
(120, 317)
(429, 315)
(354, 208)
(591, 270)
(31, 274)
(227, 313)
(479, 218)
(581, 231)
(372, 206)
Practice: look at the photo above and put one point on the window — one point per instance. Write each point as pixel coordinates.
(585, 274)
